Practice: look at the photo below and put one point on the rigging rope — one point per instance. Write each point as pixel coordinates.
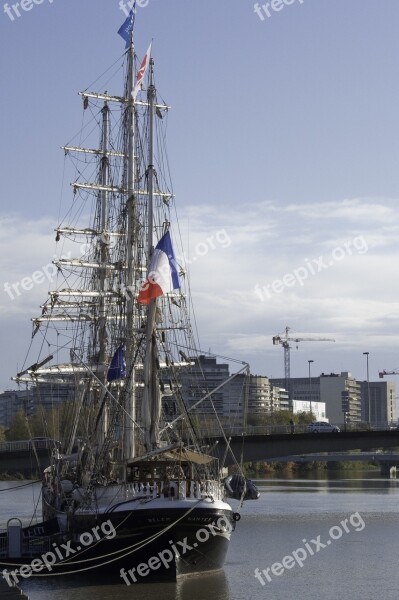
(18, 487)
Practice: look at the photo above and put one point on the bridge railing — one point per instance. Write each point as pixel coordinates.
(14, 446)
(215, 431)
(249, 430)
(26, 445)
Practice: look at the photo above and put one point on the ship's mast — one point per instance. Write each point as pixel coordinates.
(104, 257)
(150, 169)
(151, 396)
(129, 436)
(104, 226)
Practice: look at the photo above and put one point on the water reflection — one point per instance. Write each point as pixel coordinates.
(190, 588)
(330, 481)
(212, 586)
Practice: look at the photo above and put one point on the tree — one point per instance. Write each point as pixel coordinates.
(277, 417)
(19, 428)
(280, 417)
(305, 417)
(37, 422)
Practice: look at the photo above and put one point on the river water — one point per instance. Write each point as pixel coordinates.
(333, 538)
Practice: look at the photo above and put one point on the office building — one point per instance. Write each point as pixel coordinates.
(341, 394)
(381, 410)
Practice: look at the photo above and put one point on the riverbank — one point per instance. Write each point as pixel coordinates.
(254, 470)
(17, 477)
(257, 470)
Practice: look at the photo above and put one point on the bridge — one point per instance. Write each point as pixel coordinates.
(378, 456)
(253, 448)
(21, 456)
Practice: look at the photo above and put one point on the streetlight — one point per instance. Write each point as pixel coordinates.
(366, 354)
(310, 389)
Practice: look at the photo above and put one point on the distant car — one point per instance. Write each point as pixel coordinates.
(322, 427)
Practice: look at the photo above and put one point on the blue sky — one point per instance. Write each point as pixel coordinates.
(283, 144)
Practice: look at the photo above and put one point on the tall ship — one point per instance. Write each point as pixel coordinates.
(131, 489)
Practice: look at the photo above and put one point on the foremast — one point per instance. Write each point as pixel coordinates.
(95, 305)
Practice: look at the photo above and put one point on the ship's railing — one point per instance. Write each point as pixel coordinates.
(177, 489)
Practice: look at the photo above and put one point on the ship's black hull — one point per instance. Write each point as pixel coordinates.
(148, 545)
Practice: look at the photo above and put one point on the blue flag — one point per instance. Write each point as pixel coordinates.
(117, 368)
(126, 29)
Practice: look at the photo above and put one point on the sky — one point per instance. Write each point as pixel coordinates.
(283, 145)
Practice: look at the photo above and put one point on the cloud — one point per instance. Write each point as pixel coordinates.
(26, 247)
(230, 250)
(354, 299)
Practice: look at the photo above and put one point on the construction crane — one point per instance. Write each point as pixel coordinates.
(384, 372)
(284, 341)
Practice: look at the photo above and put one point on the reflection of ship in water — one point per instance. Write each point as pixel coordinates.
(210, 586)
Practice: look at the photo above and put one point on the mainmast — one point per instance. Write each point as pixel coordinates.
(151, 395)
(129, 436)
(103, 259)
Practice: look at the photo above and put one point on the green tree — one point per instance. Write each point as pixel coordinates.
(303, 418)
(37, 422)
(19, 428)
(280, 417)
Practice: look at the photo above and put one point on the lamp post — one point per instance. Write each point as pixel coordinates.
(310, 388)
(366, 354)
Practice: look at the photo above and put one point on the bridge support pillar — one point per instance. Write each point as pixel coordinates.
(388, 470)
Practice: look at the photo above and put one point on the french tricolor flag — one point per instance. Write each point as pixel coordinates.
(162, 274)
(141, 72)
